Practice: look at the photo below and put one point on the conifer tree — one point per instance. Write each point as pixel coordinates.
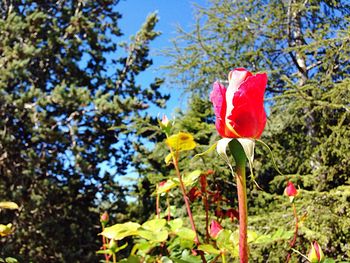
(68, 93)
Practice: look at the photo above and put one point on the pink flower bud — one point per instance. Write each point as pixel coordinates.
(316, 254)
(215, 229)
(165, 120)
(290, 191)
(165, 124)
(104, 218)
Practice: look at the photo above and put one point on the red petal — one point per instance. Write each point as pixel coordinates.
(215, 229)
(248, 117)
(317, 249)
(291, 190)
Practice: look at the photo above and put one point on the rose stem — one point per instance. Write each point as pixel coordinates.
(183, 190)
(206, 205)
(292, 243)
(187, 204)
(168, 205)
(104, 242)
(157, 203)
(241, 159)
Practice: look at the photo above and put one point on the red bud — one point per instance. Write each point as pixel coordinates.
(215, 229)
(104, 218)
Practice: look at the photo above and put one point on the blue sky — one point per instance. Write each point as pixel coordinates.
(171, 13)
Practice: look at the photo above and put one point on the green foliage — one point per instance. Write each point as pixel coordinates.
(64, 82)
(151, 236)
(324, 217)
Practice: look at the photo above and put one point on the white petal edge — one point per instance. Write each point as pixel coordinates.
(248, 147)
(221, 150)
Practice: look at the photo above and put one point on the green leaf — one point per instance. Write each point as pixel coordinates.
(209, 150)
(152, 230)
(184, 243)
(121, 247)
(152, 236)
(176, 260)
(120, 231)
(188, 257)
(228, 241)
(251, 236)
(263, 239)
(168, 158)
(281, 234)
(208, 248)
(154, 225)
(106, 251)
(175, 224)
(143, 246)
(166, 187)
(191, 178)
(165, 213)
(186, 233)
(166, 260)
(130, 259)
(188, 180)
(11, 260)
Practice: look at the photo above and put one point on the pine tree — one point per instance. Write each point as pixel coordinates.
(68, 94)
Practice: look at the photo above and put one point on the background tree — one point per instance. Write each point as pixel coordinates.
(304, 47)
(68, 93)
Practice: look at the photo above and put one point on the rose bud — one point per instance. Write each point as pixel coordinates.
(239, 108)
(290, 191)
(215, 229)
(165, 124)
(315, 255)
(165, 120)
(104, 218)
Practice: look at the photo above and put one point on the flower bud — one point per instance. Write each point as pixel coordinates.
(215, 229)
(104, 218)
(165, 124)
(290, 191)
(316, 254)
(165, 120)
